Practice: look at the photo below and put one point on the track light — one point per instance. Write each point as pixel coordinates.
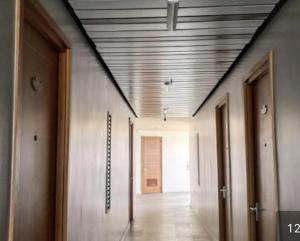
(172, 14)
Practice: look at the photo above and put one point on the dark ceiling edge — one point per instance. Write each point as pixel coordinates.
(97, 54)
(258, 32)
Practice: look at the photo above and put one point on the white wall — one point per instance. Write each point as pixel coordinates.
(175, 146)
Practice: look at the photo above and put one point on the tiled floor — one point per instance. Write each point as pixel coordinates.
(165, 217)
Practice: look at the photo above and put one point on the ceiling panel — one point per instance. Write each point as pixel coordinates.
(170, 55)
(178, 33)
(224, 10)
(191, 43)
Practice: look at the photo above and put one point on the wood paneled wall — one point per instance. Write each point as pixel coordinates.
(282, 37)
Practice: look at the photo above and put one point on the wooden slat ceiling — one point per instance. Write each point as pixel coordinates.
(133, 38)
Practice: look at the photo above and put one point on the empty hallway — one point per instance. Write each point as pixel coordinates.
(149, 120)
(166, 217)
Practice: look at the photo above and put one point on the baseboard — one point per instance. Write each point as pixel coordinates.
(211, 234)
(206, 229)
(124, 235)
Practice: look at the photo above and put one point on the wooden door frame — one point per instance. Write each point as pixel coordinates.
(265, 65)
(131, 171)
(32, 12)
(224, 102)
(161, 164)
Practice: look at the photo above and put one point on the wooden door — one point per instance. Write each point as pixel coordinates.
(36, 192)
(262, 168)
(151, 164)
(224, 182)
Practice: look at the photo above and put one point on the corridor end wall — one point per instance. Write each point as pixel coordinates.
(175, 151)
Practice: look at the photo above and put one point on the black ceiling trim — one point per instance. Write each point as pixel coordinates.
(276, 9)
(97, 54)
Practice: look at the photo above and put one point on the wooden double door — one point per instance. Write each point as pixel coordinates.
(151, 164)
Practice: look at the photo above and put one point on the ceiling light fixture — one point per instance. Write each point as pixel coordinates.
(172, 14)
(165, 113)
(168, 84)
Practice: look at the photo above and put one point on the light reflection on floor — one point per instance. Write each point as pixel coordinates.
(166, 217)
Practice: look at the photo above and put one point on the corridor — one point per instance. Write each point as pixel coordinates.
(149, 120)
(166, 217)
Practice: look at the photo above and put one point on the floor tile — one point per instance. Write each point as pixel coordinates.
(165, 217)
